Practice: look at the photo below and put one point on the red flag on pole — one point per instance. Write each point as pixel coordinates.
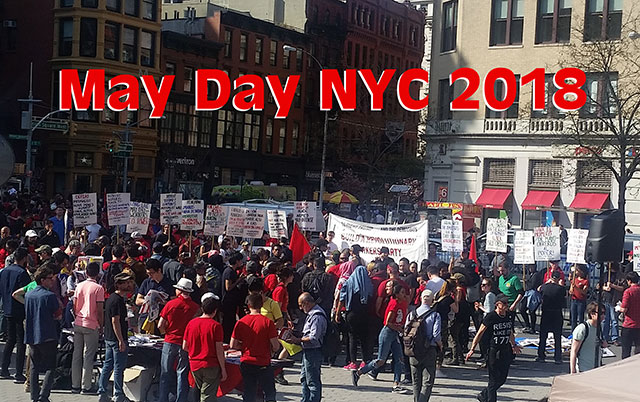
(298, 245)
(473, 255)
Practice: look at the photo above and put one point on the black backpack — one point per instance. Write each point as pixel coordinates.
(108, 281)
(331, 338)
(315, 288)
(414, 339)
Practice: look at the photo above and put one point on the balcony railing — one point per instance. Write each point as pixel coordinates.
(514, 126)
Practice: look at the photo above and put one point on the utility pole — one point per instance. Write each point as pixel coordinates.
(27, 124)
(125, 162)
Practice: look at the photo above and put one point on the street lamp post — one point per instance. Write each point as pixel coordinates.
(126, 139)
(325, 129)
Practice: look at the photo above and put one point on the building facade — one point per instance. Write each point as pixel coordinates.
(201, 150)
(516, 161)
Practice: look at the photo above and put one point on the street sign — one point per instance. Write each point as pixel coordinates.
(125, 147)
(51, 124)
(399, 188)
(23, 137)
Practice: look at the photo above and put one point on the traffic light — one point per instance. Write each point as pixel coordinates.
(73, 128)
(111, 146)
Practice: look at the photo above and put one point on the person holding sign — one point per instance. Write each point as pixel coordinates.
(578, 292)
(554, 267)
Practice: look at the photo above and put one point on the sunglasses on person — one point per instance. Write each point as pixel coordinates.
(484, 284)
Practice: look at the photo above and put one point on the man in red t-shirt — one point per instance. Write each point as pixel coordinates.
(255, 335)
(631, 308)
(174, 318)
(203, 343)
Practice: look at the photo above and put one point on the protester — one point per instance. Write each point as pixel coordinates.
(115, 339)
(174, 318)
(487, 306)
(388, 341)
(42, 309)
(315, 327)
(501, 350)
(585, 340)
(320, 284)
(234, 291)
(423, 361)
(88, 307)
(12, 278)
(630, 335)
(203, 343)
(510, 285)
(611, 295)
(553, 300)
(255, 335)
(578, 292)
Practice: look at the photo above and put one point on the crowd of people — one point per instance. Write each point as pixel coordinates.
(206, 295)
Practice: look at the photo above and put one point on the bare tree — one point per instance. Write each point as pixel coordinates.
(605, 132)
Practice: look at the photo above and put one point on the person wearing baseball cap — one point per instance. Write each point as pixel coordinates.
(174, 318)
(502, 347)
(44, 252)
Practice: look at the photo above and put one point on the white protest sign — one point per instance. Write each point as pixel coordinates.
(235, 221)
(171, 209)
(277, 221)
(409, 240)
(118, 208)
(451, 235)
(576, 246)
(523, 247)
(139, 213)
(215, 220)
(496, 235)
(304, 213)
(192, 215)
(85, 209)
(546, 242)
(254, 223)
(636, 256)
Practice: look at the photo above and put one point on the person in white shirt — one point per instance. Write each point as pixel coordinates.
(94, 231)
(331, 246)
(435, 282)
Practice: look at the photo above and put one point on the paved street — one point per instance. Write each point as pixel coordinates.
(528, 381)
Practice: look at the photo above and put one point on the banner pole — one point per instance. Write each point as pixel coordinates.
(117, 234)
(524, 277)
(190, 242)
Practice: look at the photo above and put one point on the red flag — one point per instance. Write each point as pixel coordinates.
(473, 255)
(298, 245)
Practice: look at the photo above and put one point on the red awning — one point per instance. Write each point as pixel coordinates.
(493, 198)
(590, 201)
(539, 199)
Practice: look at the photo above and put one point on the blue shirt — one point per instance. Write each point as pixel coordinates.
(431, 324)
(41, 306)
(12, 278)
(315, 326)
(58, 227)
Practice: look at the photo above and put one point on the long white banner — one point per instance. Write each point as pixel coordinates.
(409, 240)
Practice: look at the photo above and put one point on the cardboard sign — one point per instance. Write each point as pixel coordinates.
(171, 209)
(254, 223)
(636, 256)
(304, 213)
(496, 235)
(118, 208)
(235, 221)
(577, 245)
(85, 209)
(215, 220)
(546, 241)
(451, 235)
(523, 247)
(277, 221)
(139, 213)
(192, 215)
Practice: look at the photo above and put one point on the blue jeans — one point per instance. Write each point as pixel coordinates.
(171, 352)
(310, 375)
(577, 312)
(388, 342)
(253, 375)
(114, 361)
(610, 323)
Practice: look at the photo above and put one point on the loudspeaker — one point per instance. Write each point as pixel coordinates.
(606, 237)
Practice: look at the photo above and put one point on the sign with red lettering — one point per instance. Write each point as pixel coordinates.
(192, 215)
(85, 209)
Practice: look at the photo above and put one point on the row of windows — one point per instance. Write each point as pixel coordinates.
(231, 130)
(258, 50)
(546, 173)
(389, 27)
(600, 90)
(121, 42)
(135, 8)
(603, 21)
(366, 58)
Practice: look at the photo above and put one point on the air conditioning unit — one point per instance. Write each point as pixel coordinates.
(9, 23)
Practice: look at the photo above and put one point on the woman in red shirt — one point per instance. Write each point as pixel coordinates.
(389, 340)
(578, 291)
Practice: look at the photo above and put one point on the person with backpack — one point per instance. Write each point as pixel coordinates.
(312, 340)
(584, 341)
(422, 339)
(320, 285)
(113, 268)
